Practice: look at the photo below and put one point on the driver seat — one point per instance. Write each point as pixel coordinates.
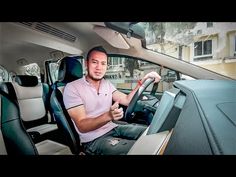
(70, 69)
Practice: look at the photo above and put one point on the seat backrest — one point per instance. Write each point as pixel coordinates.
(16, 140)
(33, 99)
(70, 69)
(31, 96)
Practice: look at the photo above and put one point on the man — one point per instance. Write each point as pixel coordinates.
(89, 104)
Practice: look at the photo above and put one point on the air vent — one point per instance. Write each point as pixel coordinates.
(49, 30)
(27, 23)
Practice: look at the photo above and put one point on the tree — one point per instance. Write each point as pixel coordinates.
(178, 33)
(131, 65)
(158, 31)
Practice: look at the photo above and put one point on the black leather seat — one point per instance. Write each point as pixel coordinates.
(70, 69)
(33, 99)
(15, 140)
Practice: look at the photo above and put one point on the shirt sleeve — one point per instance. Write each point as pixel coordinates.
(71, 97)
(112, 87)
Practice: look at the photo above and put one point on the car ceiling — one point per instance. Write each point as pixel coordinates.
(38, 46)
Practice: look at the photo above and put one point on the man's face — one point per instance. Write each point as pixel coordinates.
(97, 65)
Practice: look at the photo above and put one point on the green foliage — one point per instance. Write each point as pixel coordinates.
(131, 65)
(173, 31)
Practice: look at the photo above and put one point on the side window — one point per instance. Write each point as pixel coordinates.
(124, 72)
(12, 75)
(4, 76)
(53, 69)
(32, 69)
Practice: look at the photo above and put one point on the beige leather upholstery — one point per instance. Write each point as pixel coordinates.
(14, 139)
(32, 104)
(48, 147)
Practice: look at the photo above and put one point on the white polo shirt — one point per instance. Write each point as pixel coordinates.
(81, 92)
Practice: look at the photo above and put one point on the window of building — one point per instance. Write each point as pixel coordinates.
(209, 24)
(115, 62)
(207, 47)
(197, 48)
(203, 49)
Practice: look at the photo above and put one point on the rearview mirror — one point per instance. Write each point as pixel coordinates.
(131, 29)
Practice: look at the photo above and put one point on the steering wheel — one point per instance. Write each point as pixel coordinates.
(130, 109)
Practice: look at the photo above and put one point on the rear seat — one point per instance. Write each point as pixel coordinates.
(48, 147)
(33, 99)
(15, 140)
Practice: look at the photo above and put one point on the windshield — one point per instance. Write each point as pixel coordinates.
(211, 45)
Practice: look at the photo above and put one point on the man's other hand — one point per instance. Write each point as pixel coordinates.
(116, 112)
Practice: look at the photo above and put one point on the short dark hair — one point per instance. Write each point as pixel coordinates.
(97, 48)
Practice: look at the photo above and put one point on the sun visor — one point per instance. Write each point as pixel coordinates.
(112, 37)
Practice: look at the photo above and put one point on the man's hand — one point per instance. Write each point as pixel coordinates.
(116, 112)
(152, 74)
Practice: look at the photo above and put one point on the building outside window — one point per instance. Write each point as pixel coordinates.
(115, 62)
(209, 24)
(203, 49)
(207, 47)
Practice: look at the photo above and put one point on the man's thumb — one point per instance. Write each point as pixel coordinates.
(115, 105)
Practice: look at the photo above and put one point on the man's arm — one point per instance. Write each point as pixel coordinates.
(86, 124)
(125, 99)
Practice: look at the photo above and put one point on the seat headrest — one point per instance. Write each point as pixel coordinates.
(70, 69)
(26, 80)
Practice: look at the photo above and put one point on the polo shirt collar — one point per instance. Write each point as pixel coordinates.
(101, 90)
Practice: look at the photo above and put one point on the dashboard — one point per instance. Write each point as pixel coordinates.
(200, 116)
